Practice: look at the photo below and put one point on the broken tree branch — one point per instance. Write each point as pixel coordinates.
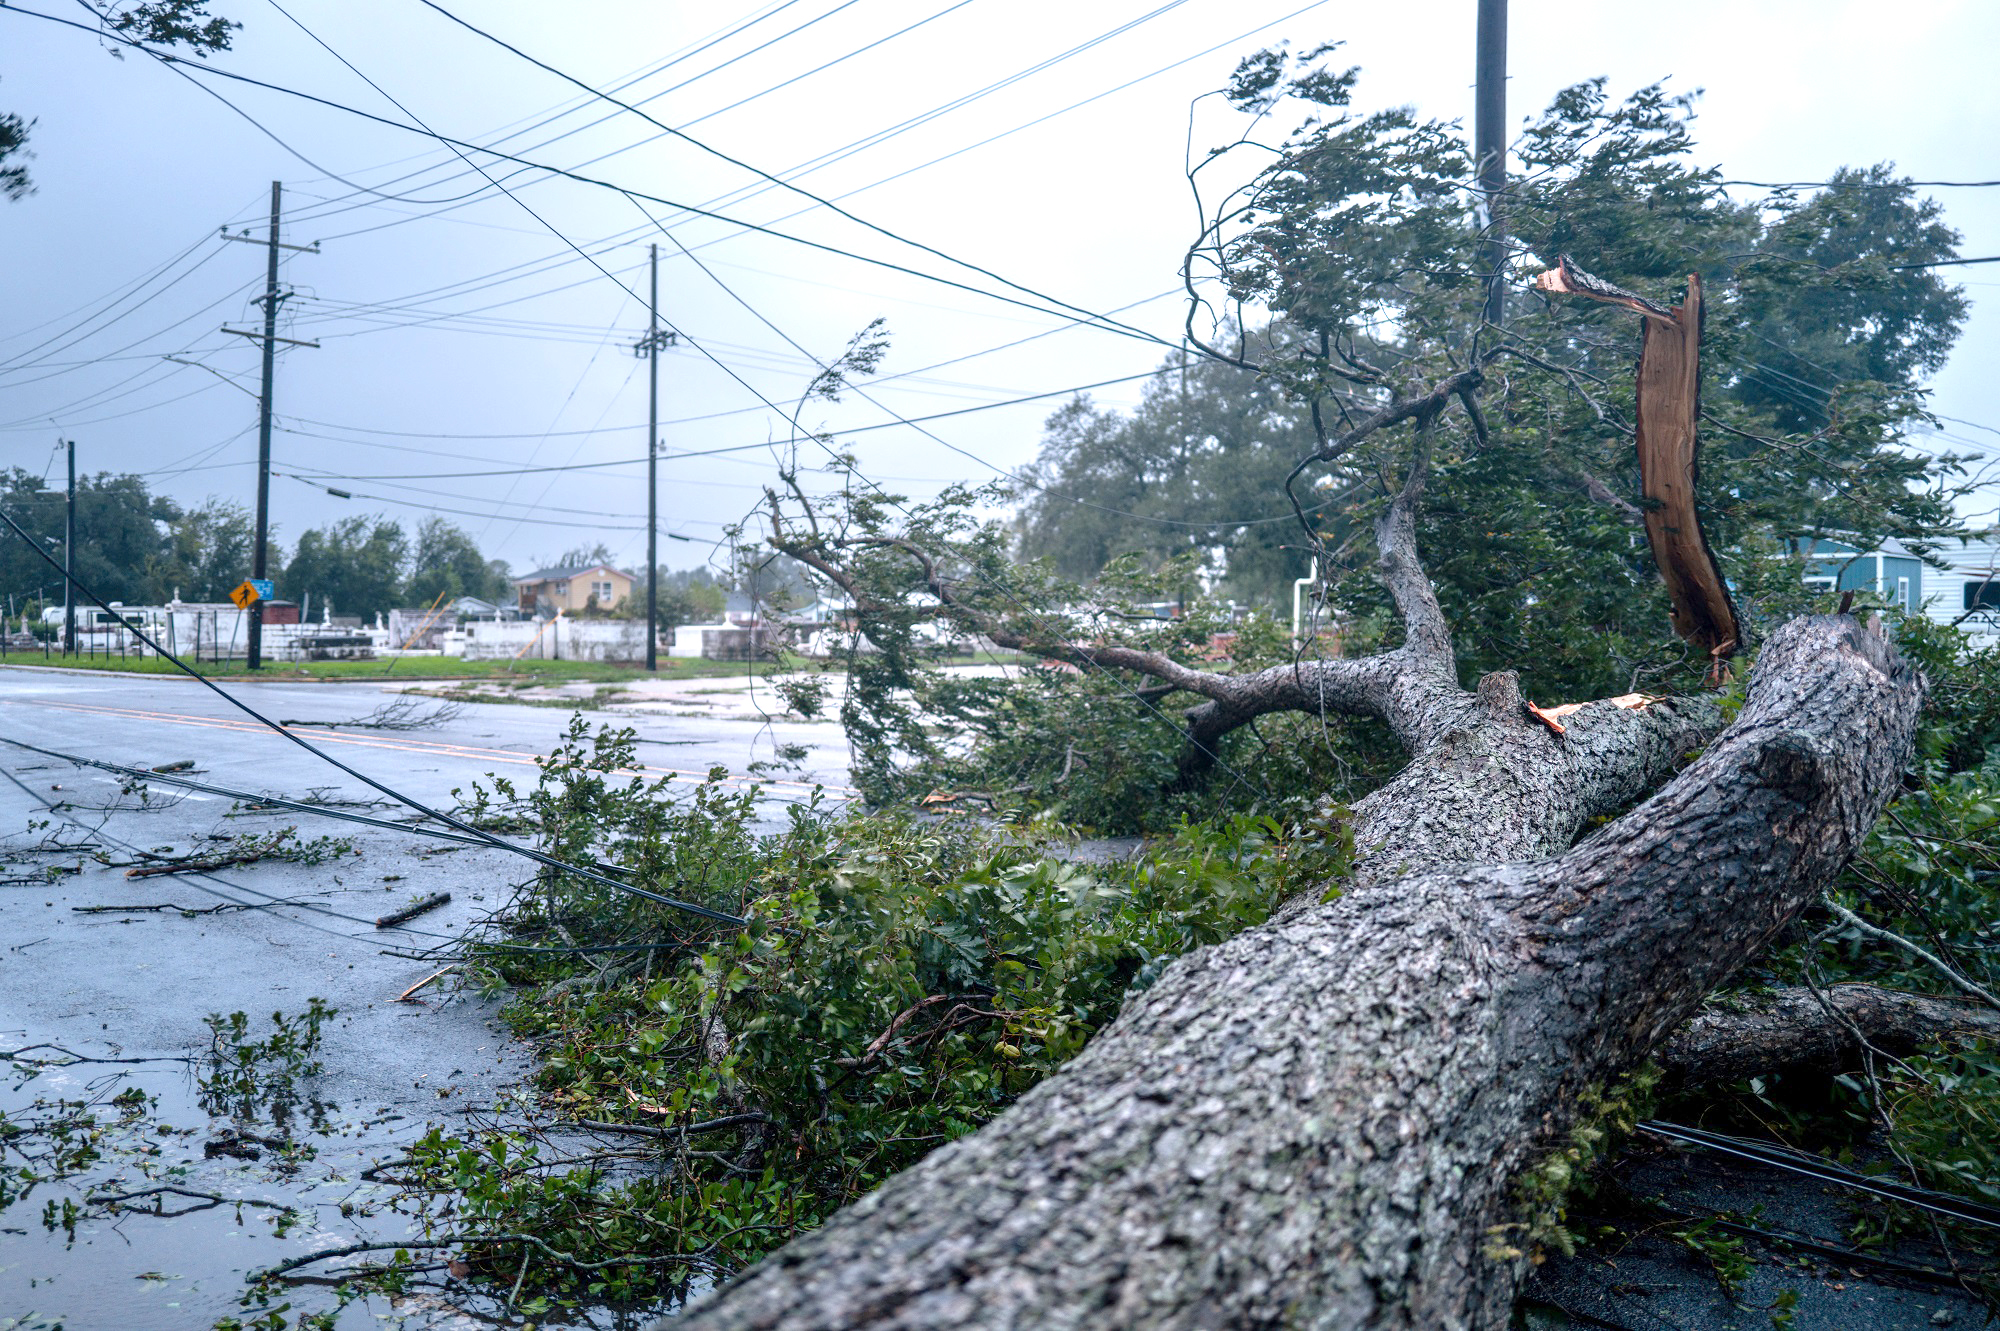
(204, 866)
(1669, 404)
(414, 909)
(1749, 1034)
(1318, 1122)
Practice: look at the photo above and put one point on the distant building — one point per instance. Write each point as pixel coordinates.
(1890, 570)
(570, 590)
(1956, 583)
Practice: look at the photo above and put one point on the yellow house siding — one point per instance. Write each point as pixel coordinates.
(572, 593)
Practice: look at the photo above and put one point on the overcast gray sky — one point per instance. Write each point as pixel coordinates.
(460, 332)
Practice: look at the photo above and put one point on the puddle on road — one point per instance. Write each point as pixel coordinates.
(252, 1186)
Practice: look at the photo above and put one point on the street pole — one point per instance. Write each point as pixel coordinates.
(269, 337)
(258, 561)
(655, 341)
(1489, 145)
(653, 471)
(69, 560)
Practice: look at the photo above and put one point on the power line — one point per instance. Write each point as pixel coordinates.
(1864, 184)
(1149, 703)
(797, 189)
(181, 65)
(547, 861)
(640, 76)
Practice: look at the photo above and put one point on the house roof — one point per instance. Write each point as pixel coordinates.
(560, 574)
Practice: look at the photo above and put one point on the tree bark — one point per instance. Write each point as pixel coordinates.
(1317, 1123)
(1799, 1029)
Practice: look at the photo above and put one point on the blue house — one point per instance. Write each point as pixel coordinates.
(1889, 570)
(1960, 585)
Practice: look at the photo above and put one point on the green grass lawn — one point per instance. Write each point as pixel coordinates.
(407, 667)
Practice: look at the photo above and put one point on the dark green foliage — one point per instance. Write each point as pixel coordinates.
(899, 983)
(169, 23)
(1362, 240)
(14, 182)
(143, 548)
(1198, 470)
(209, 550)
(446, 564)
(1829, 303)
(120, 544)
(686, 596)
(354, 566)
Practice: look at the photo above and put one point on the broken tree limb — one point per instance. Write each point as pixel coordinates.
(1749, 1034)
(1669, 405)
(205, 866)
(1318, 1123)
(414, 909)
(1566, 279)
(409, 994)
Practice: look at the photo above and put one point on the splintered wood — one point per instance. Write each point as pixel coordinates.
(1669, 405)
(1552, 716)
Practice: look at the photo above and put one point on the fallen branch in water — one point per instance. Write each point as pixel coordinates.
(14, 1056)
(402, 714)
(469, 1240)
(691, 1130)
(408, 994)
(168, 1189)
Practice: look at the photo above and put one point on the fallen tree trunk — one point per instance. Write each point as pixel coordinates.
(1825, 1031)
(1320, 1123)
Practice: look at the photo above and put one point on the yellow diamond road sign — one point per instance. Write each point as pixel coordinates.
(244, 595)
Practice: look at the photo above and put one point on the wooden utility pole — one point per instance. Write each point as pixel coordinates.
(1489, 146)
(269, 337)
(260, 558)
(69, 559)
(653, 468)
(650, 346)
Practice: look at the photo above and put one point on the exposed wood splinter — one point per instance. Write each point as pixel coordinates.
(1552, 716)
(1668, 405)
(408, 995)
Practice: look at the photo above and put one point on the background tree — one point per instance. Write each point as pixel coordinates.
(447, 563)
(580, 556)
(121, 535)
(1835, 302)
(354, 566)
(165, 24)
(207, 552)
(1196, 471)
(686, 596)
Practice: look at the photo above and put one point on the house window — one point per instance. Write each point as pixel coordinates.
(562, 589)
(1821, 582)
(602, 591)
(1903, 593)
(1983, 593)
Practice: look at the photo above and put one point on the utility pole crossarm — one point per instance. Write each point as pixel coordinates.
(252, 240)
(247, 332)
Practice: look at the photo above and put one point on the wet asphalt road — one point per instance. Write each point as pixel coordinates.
(139, 983)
